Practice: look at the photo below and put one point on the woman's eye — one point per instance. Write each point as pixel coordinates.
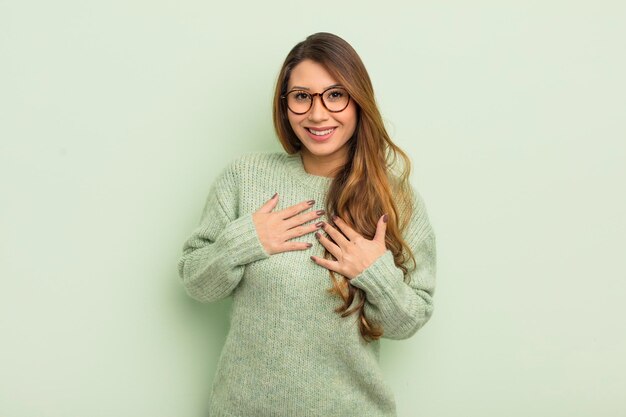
(301, 96)
(335, 95)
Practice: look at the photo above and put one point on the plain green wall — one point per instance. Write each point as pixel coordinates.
(116, 116)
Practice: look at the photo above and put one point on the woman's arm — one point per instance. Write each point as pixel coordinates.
(215, 254)
(400, 308)
(402, 305)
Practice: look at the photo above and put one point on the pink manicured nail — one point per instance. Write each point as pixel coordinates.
(274, 196)
(319, 224)
(311, 202)
(385, 218)
(320, 212)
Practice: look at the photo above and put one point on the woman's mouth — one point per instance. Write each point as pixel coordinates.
(320, 135)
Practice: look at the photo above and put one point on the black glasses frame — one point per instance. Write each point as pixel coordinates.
(284, 97)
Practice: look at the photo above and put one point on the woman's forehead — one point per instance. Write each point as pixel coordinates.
(310, 75)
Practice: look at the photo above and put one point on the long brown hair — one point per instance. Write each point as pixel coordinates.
(373, 181)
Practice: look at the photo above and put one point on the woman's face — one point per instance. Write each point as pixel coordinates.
(329, 148)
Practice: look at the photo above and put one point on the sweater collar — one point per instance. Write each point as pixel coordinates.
(296, 168)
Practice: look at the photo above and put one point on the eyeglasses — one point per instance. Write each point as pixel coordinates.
(335, 99)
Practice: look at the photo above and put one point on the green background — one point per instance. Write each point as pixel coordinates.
(116, 116)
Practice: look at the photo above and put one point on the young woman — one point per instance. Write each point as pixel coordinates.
(325, 248)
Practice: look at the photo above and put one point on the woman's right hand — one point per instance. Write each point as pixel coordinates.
(275, 229)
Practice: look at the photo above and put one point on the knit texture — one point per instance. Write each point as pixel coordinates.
(287, 352)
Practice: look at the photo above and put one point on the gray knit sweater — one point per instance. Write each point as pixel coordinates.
(287, 352)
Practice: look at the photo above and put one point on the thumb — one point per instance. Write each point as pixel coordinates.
(269, 205)
(381, 229)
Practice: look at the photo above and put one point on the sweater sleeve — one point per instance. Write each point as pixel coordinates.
(402, 307)
(215, 255)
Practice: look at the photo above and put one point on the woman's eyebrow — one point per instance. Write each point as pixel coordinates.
(298, 87)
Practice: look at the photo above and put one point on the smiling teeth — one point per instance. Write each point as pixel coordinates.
(321, 132)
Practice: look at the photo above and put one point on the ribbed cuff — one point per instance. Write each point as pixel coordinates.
(241, 241)
(382, 281)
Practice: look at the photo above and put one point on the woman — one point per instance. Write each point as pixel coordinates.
(309, 307)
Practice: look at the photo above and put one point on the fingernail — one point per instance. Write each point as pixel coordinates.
(308, 245)
(311, 202)
(319, 224)
(385, 218)
(274, 196)
(312, 258)
(318, 235)
(320, 212)
(334, 217)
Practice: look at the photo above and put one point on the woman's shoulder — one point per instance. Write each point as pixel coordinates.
(411, 207)
(254, 160)
(407, 195)
(420, 220)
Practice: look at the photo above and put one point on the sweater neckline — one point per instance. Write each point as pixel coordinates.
(296, 168)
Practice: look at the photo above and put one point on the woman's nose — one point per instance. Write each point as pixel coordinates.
(318, 111)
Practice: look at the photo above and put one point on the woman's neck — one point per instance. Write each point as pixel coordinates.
(323, 166)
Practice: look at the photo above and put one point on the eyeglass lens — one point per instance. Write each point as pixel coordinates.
(334, 99)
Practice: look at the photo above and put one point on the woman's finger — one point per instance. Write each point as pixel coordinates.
(269, 205)
(290, 246)
(300, 231)
(295, 209)
(336, 235)
(332, 248)
(381, 229)
(348, 231)
(302, 218)
(326, 263)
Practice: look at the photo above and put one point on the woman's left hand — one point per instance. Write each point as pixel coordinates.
(353, 252)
